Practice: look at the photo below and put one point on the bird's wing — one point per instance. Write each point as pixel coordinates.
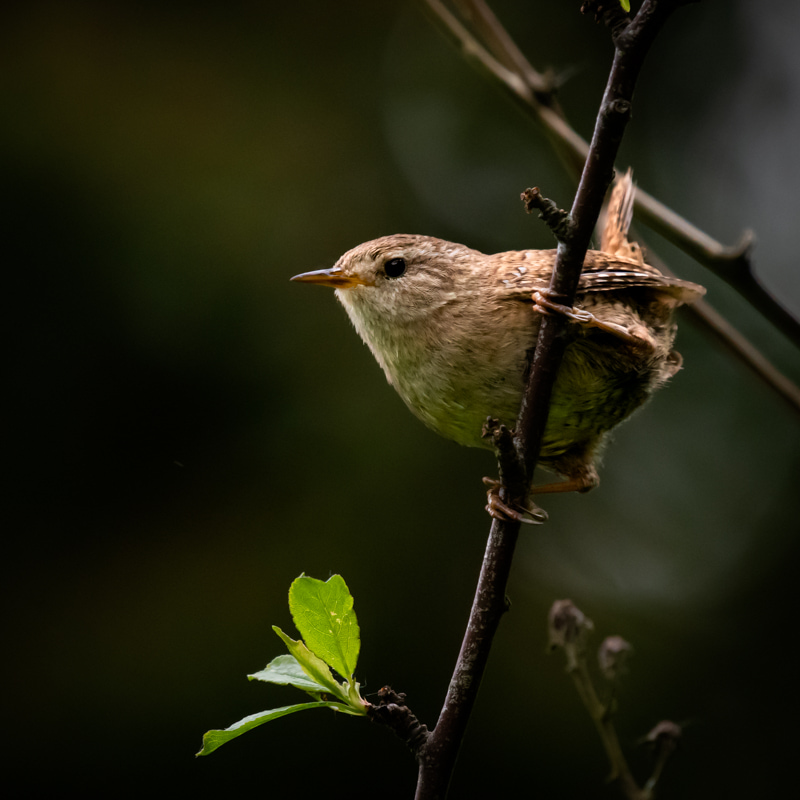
(524, 272)
(607, 273)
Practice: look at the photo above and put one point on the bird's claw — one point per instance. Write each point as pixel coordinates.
(544, 305)
(499, 509)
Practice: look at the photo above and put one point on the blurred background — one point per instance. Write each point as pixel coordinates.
(186, 431)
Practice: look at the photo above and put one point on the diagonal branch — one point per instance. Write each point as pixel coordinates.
(518, 457)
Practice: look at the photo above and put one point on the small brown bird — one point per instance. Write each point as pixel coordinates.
(453, 329)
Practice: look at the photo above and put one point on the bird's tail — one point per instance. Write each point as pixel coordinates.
(619, 214)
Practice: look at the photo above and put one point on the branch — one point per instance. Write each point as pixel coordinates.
(534, 93)
(438, 756)
(517, 457)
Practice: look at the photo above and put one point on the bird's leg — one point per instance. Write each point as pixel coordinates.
(499, 509)
(582, 477)
(637, 336)
(571, 485)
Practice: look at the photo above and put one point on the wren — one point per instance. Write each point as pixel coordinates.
(453, 329)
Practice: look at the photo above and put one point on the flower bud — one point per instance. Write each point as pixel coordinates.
(664, 737)
(567, 624)
(613, 657)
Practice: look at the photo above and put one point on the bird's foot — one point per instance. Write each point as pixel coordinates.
(499, 509)
(638, 337)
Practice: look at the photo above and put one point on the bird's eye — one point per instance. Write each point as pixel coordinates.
(394, 267)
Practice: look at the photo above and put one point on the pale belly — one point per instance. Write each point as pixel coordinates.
(594, 392)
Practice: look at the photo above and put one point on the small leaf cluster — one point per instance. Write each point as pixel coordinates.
(323, 614)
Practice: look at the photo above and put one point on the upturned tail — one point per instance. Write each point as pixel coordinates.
(619, 214)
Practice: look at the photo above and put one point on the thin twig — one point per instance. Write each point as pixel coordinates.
(438, 756)
(505, 50)
(603, 722)
(715, 325)
(710, 320)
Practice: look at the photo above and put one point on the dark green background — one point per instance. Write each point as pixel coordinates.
(186, 431)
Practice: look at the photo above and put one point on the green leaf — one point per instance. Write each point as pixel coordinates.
(323, 613)
(286, 671)
(314, 667)
(626, 5)
(214, 739)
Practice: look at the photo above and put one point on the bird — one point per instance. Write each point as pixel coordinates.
(454, 329)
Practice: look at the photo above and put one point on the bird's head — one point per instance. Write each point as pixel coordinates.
(396, 279)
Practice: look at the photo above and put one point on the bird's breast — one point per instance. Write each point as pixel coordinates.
(459, 367)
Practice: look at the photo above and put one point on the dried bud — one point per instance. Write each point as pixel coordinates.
(554, 217)
(664, 737)
(387, 695)
(613, 657)
(567, 624)
(391, 710)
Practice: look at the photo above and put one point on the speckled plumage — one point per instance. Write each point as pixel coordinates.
(453, 333)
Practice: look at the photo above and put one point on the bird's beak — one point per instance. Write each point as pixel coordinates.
(330, 277)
